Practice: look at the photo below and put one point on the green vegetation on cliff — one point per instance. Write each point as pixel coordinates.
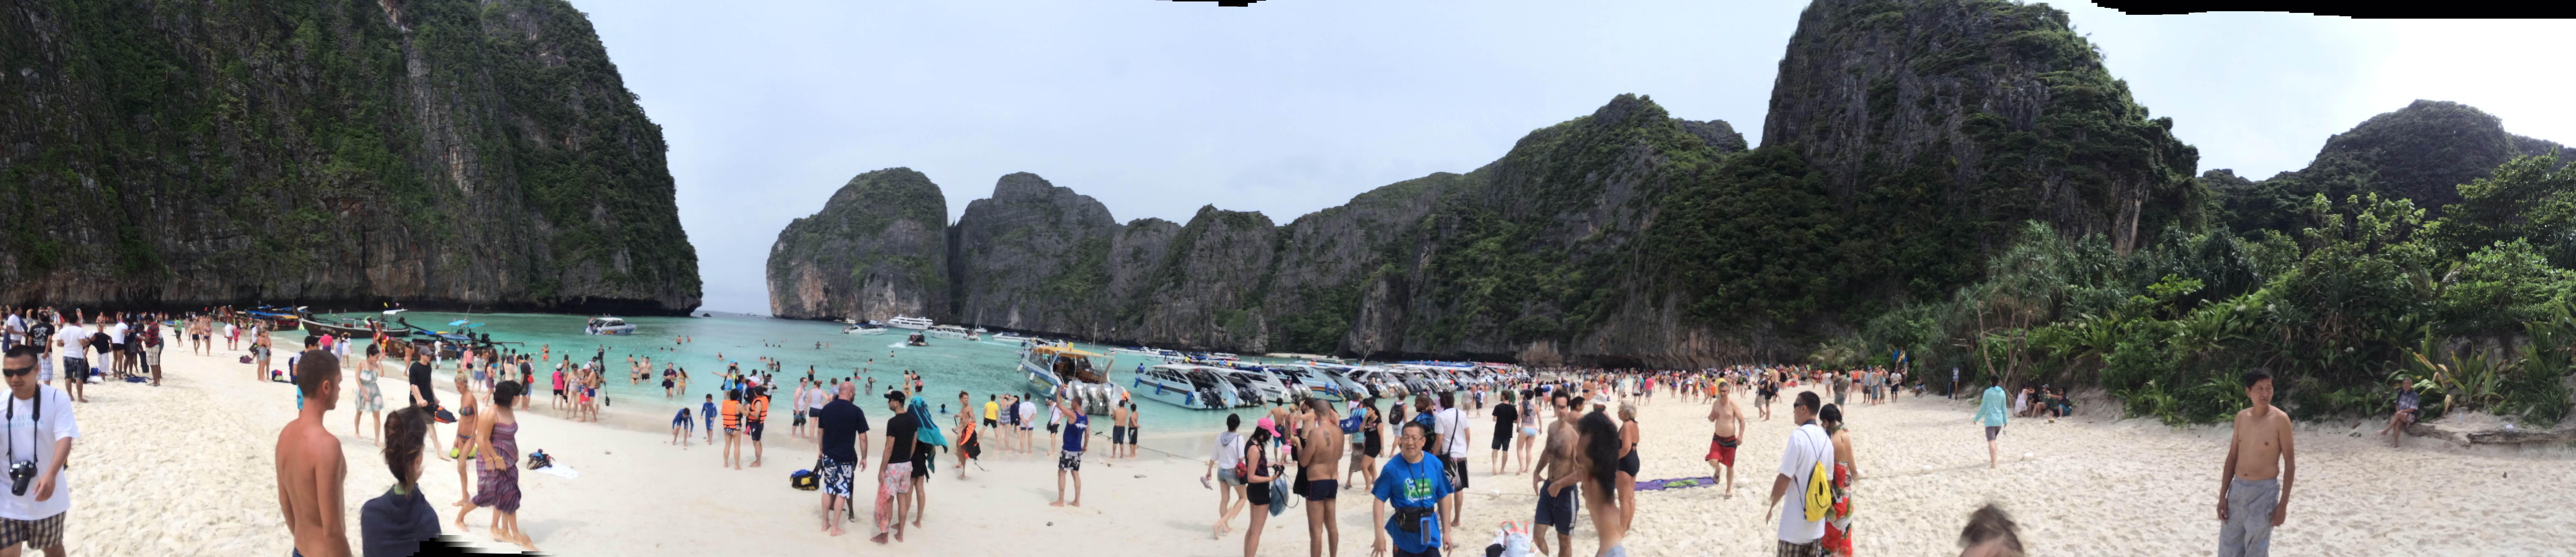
(440, 152)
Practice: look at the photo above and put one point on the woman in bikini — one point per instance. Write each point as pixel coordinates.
(463, 451)
(1627, 462)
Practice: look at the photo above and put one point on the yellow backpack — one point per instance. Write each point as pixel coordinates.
(1820, 489)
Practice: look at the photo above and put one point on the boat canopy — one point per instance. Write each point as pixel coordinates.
(1067, 351)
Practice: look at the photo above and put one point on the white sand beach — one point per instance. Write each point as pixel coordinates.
(186, 469)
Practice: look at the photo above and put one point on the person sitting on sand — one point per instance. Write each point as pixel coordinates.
(2406, 406)
(2262, 464)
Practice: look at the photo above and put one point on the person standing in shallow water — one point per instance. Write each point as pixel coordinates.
(2262, 465)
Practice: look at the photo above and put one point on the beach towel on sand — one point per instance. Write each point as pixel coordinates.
(1675, 483)
(559, 470)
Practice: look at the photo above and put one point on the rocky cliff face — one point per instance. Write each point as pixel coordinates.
(1907, 140)
(1985, 109)
(440, 153)
(2421, 153)
(877, 250)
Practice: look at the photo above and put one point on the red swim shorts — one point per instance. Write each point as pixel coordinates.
(1722, 450)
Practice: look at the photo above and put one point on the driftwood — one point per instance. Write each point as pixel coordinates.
(2493, 436)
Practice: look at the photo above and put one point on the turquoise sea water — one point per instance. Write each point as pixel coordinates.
(981, 368)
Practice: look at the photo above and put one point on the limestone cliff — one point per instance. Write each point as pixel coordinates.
(878, 249)
(440, 153)
(2421, 153)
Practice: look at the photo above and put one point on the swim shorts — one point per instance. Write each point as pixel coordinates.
(1557, 510)
(1069, 461)
(1722, 449)
(755, 428)
(34, 534)
(1992, 431)
(1321, 490)
(1117, 434)
(836, 477)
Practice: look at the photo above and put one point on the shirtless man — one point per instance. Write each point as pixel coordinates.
(1721, 445)
(1323, 450)
(1555, 509)
(310, 471)
(2262, 464)
(1592, 464)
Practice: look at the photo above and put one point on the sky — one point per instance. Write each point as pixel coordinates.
(1290, 106)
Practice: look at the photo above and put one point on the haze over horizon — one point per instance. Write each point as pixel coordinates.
(1158, 108)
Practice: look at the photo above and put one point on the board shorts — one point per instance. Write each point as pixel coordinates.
(836, 477)
(755, 427)
(1722, 449)
(34, 534)
(1117, 435)
(800, 419)
(1503, 438)
(990, 423)
(1070, 461)
(1992, 431)
(1557, 510)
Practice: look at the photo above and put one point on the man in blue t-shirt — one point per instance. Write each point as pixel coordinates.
(1076, 428)
(1414, 484)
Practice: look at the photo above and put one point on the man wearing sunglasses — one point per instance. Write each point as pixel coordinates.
(39, 430)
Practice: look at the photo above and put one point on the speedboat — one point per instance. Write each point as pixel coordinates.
(870, 329)
(948, 331)
(1185, 385)
(914, 323)
(916, 340)
(1082, 377)
(1311, 382)
(1256, 386)
(1154, 354)
(607, 326)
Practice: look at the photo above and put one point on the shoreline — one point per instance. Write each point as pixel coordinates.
(2091, 485)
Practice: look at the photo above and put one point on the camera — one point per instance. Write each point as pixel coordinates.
(21, 474)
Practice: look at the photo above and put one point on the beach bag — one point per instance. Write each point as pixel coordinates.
(1513, 540)
(538, 459)
(1278, 497)
(1820, 491)
(1351, 424)
(803, 480)
(245, 359)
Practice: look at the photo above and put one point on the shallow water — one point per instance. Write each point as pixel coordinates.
(981, 368)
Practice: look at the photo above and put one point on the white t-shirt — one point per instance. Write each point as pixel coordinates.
(29, 442)
(1807, 446)
(1452, 424)
(74, 341)
(1029, 413)
(116, 333)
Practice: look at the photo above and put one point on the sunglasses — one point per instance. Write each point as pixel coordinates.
(17, 371)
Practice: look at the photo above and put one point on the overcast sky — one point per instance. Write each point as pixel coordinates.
(1289, 106)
